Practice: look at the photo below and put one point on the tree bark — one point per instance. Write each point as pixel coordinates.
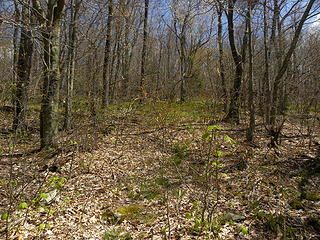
(266, 77)
(75, 6)
(23, 68)
(234, 109)
(106, 61)
(51, 79)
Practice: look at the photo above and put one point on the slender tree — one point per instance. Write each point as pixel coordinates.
(251, 128)
(23, 69)
(144, 47)
(106, 62)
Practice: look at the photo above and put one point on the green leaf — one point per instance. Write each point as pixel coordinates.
(41, 227)
(218, 154)
(229, 140)
(43, 195)
(73, 143)
(214, 127)
(51, 212)
(4, 216)
(23, 205)
(243, 229)
(206, 136)
(189, 215)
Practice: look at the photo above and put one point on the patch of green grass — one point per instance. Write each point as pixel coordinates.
(180, 152)
(163, 182)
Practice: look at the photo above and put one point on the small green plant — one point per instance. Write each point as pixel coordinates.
(163, 182)
(180, 152)
(243, 229)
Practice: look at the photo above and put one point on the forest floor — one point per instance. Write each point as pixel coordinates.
(160, 171)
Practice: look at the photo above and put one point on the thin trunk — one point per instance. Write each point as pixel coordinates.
(15, 47)
(75, 6)
(125, 62)
(106, 64)
(144, 48)
(221, 54)
(23, 68)
(251, 129)
(266, 78)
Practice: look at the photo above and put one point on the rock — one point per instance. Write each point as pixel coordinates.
(50, 197)
(234, 217)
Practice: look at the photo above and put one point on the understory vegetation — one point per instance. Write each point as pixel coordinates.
(160, 170)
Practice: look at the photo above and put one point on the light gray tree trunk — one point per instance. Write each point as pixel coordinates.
(75, 6)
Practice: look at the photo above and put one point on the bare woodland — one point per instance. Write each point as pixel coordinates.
(159, 119)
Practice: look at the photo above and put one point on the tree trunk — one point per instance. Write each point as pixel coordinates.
(233, 114)
(51, 78)
(221, 54)
(266, 78)
(75, 6)
(106, 64)
(144, 48)
(23, 68)
(251, 129)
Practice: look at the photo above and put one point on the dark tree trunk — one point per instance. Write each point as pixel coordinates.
(234, 109)
(106, 61)
(266, 78)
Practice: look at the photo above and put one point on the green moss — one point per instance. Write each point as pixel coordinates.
(131, 211)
